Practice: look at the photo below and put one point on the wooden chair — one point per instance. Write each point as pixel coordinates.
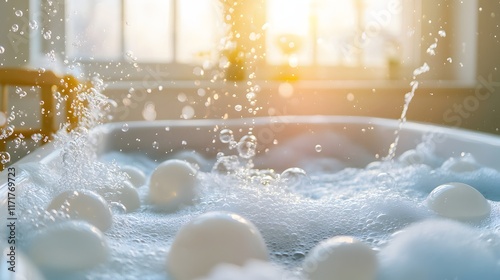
(47, 83)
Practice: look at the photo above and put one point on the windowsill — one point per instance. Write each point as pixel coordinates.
(302, 84)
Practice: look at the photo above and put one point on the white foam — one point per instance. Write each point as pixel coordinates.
(439, 249)
(369, 204)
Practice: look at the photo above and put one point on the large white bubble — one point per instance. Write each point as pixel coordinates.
(212, 239)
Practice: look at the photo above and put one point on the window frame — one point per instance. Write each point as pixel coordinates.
(124, 70)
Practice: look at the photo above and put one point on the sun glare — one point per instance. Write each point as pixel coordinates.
(289, 16)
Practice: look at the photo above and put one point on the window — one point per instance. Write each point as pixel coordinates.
(324, 32)
(316, 38)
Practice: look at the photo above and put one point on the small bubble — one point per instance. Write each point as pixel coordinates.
(442, 33)
(250, 95)
(198, 71)
(117, 208)
(155, 145)
(182, 97)
(318, 148)
(18, 13)
(238, 108)
(2, 49)
(247, 146)
(449, 60)
(201, 92)
(14, 28)
(4, 157)
(125, 127)
(187, 112)
(47, 35)
(7, 131)
(293, 176)
(33, 24)
(226, 135)
(37, 137)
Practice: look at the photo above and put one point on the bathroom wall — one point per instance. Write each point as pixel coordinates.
(466, 97)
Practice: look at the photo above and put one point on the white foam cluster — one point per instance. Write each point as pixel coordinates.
(439, 249)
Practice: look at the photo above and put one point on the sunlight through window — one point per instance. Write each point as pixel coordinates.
(298, 33)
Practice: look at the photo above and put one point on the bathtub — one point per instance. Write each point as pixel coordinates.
(355, 141)
(374, 135)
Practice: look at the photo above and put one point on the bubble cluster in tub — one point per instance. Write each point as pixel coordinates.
(417, 217)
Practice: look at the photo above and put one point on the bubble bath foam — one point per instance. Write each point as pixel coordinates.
(314, 188)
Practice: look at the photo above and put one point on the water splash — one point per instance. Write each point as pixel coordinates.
(408, 98)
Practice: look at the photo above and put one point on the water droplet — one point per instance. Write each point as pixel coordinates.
(182, 97)
(318, 148)
(18, 13)
(149, 111)
(125, 127)
(226, 135)
(247, 146)
(187, 112)
(117, 208)
(250, 96)
(7, 131)
(37, 137)
(4, 157)
(21, 92)
(47, 35)
(198, 71)
(33, 24)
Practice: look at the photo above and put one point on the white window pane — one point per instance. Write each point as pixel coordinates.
(337, 23)
(334, 32)
(288, 31)
(199, 30)
(148, 30)
(383, 27)
(93, 29)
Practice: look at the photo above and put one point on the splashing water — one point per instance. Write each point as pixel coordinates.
(409, 96)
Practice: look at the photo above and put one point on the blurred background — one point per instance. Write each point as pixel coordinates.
(186, 59)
